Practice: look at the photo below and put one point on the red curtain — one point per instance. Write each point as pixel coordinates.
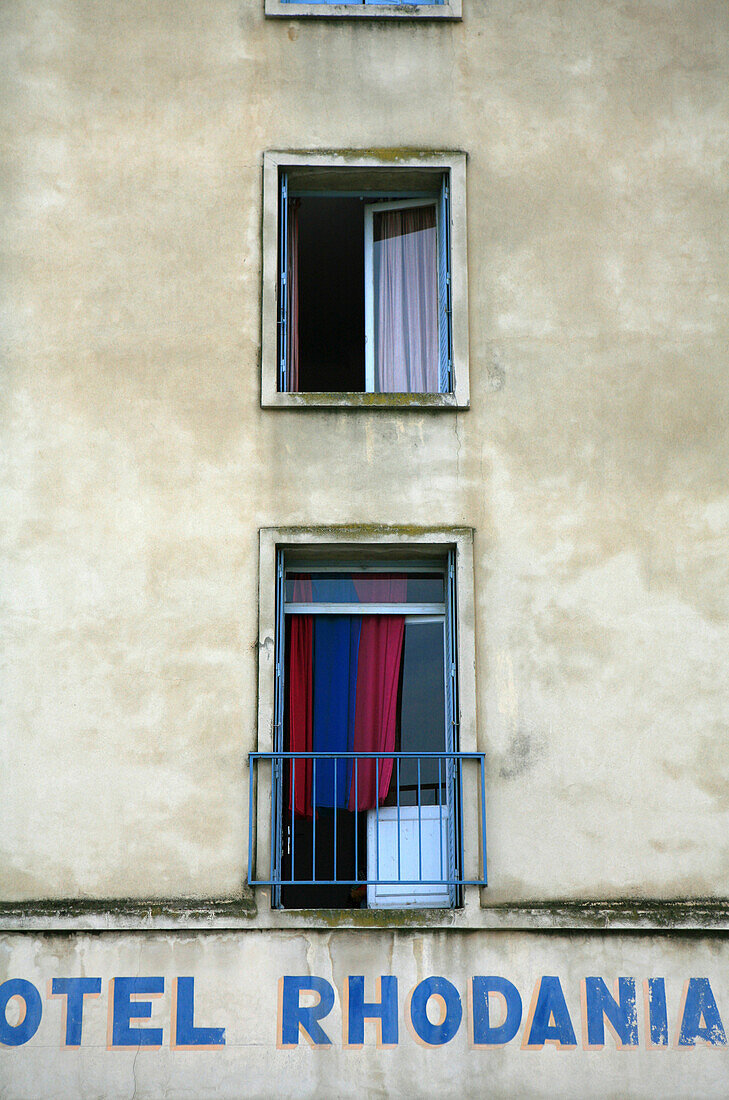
(301, 709)
(378, 676)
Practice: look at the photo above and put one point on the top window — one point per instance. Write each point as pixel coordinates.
(368, 271)
(412, 9)
(364, 286)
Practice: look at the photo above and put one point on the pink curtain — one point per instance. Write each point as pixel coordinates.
(301, 706)
(380, 587)
(292, 294)
(378, 677)
(406, 300)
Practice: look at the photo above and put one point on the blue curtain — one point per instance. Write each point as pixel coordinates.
(333, 589)
(336, 645)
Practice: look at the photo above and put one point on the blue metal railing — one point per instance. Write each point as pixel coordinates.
(435, 799)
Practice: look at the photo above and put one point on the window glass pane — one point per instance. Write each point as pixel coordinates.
(422, 712)
(363, 588)
(405, 273)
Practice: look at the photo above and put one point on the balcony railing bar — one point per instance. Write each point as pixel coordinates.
(313, 843)
(453, 755)
(449, 793)
(377, 813)
(420, 826)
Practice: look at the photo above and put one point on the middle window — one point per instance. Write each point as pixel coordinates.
(364, 295)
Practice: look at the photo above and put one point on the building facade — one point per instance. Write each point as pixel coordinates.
(365, 398)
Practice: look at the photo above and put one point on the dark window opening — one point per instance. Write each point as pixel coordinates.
(331, 295)
(306, 844)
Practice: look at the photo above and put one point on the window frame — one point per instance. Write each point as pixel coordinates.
(383, 545)
(452, 165)
(307, 9)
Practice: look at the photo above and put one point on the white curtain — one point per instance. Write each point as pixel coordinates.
(406, 300)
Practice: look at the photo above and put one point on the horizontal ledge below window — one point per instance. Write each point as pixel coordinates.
(649, 914)
(394, 402)
(128, 914)
(450, 11)
(700, 916)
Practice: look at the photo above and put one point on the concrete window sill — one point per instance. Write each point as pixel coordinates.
(397, 402)
(277, 9)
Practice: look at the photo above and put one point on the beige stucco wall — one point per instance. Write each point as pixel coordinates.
(236, 988)
(138, 465)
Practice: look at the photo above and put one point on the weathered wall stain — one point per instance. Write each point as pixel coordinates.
(523, 753)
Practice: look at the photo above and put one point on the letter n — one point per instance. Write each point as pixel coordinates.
(620, 1012)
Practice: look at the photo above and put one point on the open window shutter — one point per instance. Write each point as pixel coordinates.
(283, 267)
(278, 734)
(445, 372)
(451, 718)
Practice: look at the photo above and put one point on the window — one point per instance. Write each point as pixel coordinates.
(365, 771)
(364, 290)
(413, 9)
(364, 282)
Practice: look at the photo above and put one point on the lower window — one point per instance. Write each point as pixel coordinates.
(366, 773)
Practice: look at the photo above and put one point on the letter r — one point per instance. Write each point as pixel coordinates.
(294, 1017)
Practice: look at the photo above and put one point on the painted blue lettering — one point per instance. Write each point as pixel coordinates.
(293, 1016)
(551, 1006)
(74, 990)
(17, 1034)
(435, 1035)
(384, 1010)
(483, 1033)
(622, 1014)
(655, 989)
(700, 1006)
(124, 1010)
(186, 1034)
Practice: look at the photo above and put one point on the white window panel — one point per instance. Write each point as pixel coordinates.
(423, 842)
